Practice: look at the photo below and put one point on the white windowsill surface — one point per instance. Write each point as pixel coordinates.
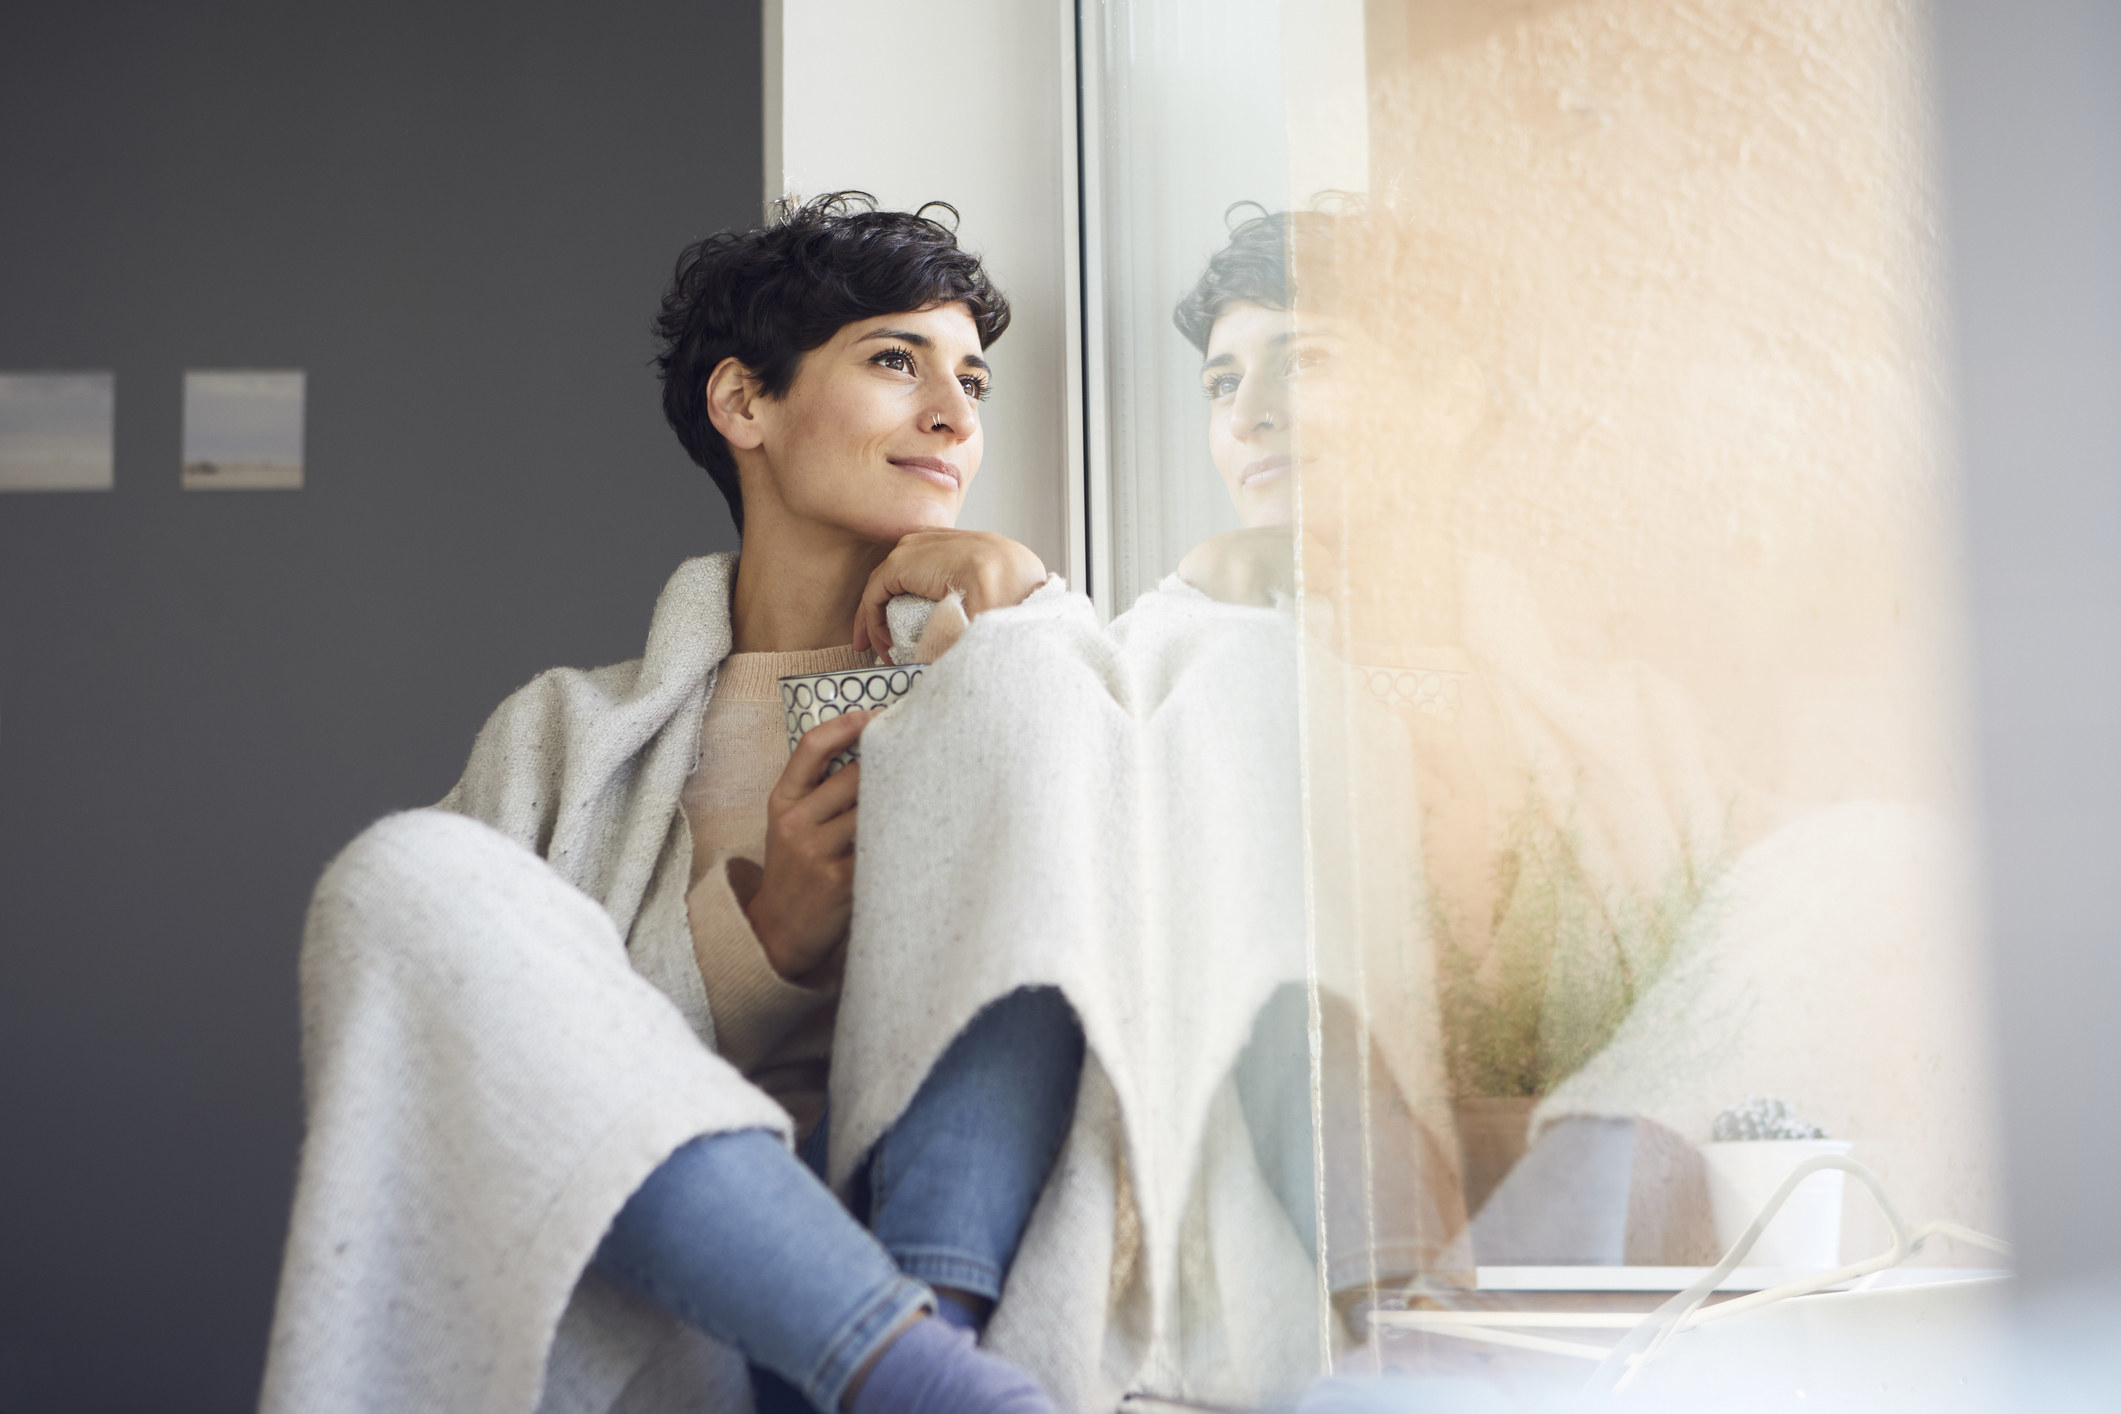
(1680, 1278)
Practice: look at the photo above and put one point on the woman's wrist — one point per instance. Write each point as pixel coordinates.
(745, 881)
(786, 952)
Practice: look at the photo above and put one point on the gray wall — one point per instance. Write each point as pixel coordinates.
(458, 219)
(2032, 127)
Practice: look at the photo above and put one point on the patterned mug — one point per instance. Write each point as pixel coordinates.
(810, 698)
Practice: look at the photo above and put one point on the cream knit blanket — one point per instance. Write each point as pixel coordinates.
(504, 1032)
(504, 1029)
(1118, 813)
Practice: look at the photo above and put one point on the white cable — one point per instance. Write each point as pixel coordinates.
(1960, 1234)
(1619, 1368)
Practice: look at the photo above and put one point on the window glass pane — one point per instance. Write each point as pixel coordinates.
(1574, 386)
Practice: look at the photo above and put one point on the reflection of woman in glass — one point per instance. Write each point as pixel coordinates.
(1634, 931)
(1286, 379)
(1252, 351)
(1392, 1207)
(1299, 381)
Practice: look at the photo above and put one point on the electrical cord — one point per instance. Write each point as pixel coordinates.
(1645, 1339)
(1641, 1344)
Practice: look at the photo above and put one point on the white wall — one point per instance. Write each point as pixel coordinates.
(969, 103)
(2032, 126)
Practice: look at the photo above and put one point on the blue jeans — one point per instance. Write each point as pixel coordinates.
(1392, 1198)
(736, 1236)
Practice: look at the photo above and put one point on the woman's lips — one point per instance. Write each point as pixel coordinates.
(1257, 474)
(942, 473)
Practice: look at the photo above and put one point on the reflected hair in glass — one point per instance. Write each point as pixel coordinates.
(768, 295)
(1258, 266)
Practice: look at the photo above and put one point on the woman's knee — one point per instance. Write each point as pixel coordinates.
(427, 879)
(1031, 1022)
(1017, 1064)
(421, 853)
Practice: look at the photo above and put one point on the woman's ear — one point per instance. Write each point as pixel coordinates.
(732, 405)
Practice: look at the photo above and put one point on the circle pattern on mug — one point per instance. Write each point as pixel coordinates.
(810, 699)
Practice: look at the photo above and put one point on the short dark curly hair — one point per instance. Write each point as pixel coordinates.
(768, 295)
(1257, 266)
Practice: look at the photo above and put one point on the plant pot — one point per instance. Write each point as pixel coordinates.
(1744, 1174)
(1491, 1139)
(1565, 1204)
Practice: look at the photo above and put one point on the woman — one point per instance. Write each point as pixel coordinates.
(554, 1053)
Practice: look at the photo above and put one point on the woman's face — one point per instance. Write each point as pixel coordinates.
(1256, 359)
(879, 434)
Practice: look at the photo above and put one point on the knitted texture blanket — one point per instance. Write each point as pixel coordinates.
(1117, 813)
(504, 1032)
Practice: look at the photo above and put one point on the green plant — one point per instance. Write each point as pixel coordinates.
(1568, 958)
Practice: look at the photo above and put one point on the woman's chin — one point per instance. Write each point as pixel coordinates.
(1277, 507)
(888, 528)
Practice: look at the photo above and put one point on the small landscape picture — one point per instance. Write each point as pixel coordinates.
(55, 431)
(243, 430)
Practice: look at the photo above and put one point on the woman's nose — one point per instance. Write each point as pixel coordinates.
(955, 412)
(1261, 406)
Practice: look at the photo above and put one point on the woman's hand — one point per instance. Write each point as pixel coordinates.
(992, 571)
(805, 892)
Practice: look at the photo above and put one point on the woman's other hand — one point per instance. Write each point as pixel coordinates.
(805, 892)
(1254, 566)
(991, 571)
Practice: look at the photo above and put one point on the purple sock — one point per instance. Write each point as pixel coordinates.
(933, 1368)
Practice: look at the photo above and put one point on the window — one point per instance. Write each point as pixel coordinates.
(1573, 374)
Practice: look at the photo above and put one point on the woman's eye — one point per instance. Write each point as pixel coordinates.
(897, 360)
(1221, 387)
(975, 388)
